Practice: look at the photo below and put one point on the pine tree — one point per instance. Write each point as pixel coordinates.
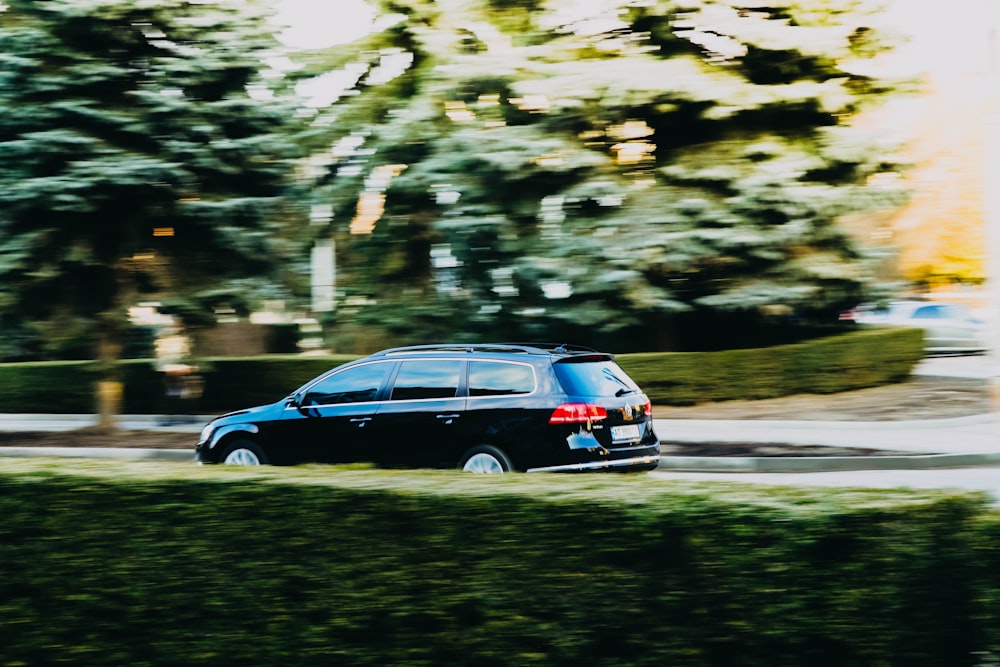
(138, 143)
(668, 167)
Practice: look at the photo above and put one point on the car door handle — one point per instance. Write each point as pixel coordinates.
(361, 421)
(447, 419)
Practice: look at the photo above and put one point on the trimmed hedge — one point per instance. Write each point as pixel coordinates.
(130, 563)
(853, 360)
(229, 383)
(48, 387)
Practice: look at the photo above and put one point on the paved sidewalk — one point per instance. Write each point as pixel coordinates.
(975, 366)
(101, 453)
(967, 435)
(71, 422)
(58, 423)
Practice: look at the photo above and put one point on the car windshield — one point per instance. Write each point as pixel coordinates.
(594, 378)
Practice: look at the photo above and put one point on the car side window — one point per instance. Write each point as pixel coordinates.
(492, 378)
(426, 378)
(353, 385)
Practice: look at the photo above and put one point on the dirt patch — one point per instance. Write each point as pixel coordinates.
(768, 449)
(918, 398)
(92, 437)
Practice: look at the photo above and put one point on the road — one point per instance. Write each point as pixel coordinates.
(964, 436)
(973, 437)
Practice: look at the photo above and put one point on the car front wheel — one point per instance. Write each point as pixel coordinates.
(486, 460)
(243, 453)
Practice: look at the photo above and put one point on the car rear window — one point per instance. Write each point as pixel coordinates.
(594, 378)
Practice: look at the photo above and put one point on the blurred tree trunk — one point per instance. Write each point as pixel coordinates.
(109, 386)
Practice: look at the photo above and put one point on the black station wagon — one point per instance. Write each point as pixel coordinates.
(486, 408)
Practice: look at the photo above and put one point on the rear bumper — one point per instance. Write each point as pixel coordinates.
(634, 463)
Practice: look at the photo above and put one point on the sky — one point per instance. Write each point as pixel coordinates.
(319, 23)
(945, 36)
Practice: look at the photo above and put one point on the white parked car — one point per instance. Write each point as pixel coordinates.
(948, 327)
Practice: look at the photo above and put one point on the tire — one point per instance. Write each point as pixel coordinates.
(243, 452)
(485, 459)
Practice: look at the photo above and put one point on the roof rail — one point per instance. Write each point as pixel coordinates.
(556, 347)
(527, 348)
(456, 347)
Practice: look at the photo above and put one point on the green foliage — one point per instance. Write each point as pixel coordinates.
(232, 384)
(827, 365)
(48, 387)
(665, 163)
(133, 158)
(120, 562)
(987, 551)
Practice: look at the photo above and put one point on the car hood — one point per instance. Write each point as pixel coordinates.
(260, 412)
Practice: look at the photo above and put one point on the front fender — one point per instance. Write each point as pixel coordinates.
(224, 431)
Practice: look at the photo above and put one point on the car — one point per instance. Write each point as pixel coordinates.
(483, 408)
(948, 327)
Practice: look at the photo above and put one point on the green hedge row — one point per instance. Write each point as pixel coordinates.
(229, 383)
(862, 358)
(853, 360)
(144, 564)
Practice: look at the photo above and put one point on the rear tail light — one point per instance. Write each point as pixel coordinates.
(649, 408)
(578, 413)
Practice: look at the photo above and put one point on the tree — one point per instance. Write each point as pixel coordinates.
(139, 150)
(941, 234)
(670, 167)
(939, 239)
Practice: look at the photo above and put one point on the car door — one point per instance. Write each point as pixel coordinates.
(418, 424)
(335, 414)
(506, 411)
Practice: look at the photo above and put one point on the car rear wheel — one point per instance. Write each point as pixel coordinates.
(486, 460)
(243, 453)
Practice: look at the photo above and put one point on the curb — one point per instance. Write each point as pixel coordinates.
(92, 417)
(101, 453)
(820, 425)
(794, 464)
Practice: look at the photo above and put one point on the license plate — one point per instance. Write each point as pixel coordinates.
(624, 433)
